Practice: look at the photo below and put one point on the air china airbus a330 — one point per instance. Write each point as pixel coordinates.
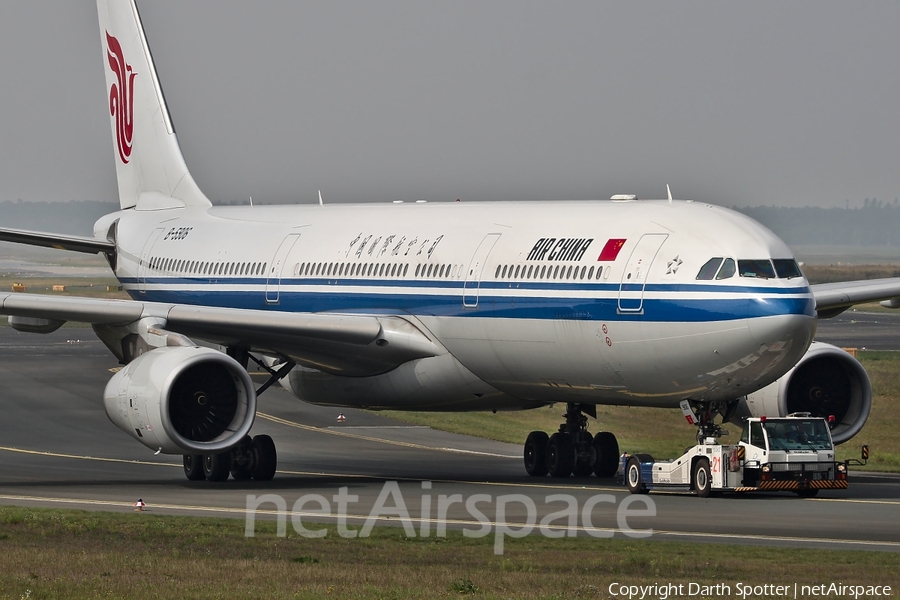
(434, 307)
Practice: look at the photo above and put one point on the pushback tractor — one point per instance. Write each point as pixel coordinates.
(793, 453)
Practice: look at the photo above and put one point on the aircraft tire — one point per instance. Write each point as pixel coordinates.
(607, 448)
(265, 458)
(216, 467)
(242, 460)
(536, 453)
(560, 455)
(585, 454)
(701, 478)
(193, 467)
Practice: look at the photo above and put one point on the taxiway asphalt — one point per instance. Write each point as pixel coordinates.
(58, 448)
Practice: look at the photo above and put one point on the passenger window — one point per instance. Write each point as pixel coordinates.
(419, 266)
(405, 269)
(497, 274)
(787, 268)
(727, 269)
(503, 276)
(708, 270)
(517, 272)
(760, 268)
(591, 273)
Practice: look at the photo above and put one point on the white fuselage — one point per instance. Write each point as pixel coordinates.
(590, 302)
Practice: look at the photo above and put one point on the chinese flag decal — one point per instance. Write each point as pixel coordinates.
(611, 250)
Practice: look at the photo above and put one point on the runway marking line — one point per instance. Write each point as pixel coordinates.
(367, 438)
(96, 458)
(363, 476)
(313, 473)
(507, 524)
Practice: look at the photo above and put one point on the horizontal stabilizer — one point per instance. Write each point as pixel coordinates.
(72, 243)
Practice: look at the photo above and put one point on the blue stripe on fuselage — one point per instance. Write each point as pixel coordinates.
(449, 303)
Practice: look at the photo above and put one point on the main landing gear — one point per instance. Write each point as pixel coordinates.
(251, 458)
(572, 450)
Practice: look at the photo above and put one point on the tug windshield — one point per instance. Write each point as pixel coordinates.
(798, 434)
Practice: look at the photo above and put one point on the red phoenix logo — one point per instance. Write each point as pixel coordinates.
(121, 97)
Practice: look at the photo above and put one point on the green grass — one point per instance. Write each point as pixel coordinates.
(51, 553)
(663, 433)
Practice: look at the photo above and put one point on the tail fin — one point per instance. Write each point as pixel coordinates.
(149, 165)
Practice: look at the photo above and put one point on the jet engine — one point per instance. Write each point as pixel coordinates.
(827, 382)
(182, 400)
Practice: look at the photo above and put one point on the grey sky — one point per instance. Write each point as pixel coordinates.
(736, 103)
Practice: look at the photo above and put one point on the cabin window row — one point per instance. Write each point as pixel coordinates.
(425, 271)
(547, 272)
(197, 267)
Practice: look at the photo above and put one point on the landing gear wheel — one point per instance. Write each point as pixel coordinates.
(216, 466)
(607, 448)
(702, 480)
(242, 460)
(807, 493)
(560, 455)
(585, 454)
(633, 477)
(265, 458)
(193, 467)
(536, 453)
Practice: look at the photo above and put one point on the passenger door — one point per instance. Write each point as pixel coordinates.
(634, 277)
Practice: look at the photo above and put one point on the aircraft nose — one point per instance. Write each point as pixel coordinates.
(792, 333)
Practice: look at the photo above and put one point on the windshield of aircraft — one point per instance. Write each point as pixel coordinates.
(717, 268)
(787, 268)
(798, 434)
(724, 268)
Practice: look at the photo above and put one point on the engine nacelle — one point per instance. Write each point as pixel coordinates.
(182, 400)
(826, 382)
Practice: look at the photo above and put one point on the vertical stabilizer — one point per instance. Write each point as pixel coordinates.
(149, 165)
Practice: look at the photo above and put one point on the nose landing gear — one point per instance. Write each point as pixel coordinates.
(572, 449)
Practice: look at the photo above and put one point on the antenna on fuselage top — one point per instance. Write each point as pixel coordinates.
(251, 200)
(320, 199)
(669, 192)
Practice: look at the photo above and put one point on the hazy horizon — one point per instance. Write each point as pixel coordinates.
(744, 104)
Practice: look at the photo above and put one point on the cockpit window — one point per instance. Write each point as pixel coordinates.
(787, 268)
(727, 269)
(708, 271)
(761, 268)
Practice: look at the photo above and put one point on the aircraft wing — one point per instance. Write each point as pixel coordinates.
(338, 343)
(73, 243)
(834, 298)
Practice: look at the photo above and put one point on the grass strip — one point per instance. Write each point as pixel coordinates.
(53, 553)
